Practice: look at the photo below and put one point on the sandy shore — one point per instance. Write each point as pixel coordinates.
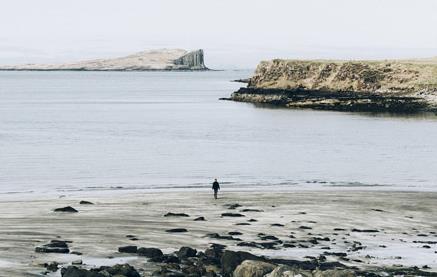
(402, 226)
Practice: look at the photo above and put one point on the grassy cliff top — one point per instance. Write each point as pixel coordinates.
(400, 77)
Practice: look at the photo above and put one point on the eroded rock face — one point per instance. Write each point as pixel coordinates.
(193, 60)
(386, 86)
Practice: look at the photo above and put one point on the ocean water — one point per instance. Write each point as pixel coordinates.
(67, 131)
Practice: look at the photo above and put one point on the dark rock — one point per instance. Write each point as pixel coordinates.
(73, 271)
(200, 218)
(128, 249)
(53, 266)
(251, 210)
(425, 242)
(305, 227)
(338, 254)
(67, 209)
(268, 237)
(177, 230)
(55, 246)
(233, 206)
(378, 210)
(242, 224)
(175, 215)
(249, 244)
(231, 259)
(218, 236)
(169, 259)
(83, 202)
(269, 245)
(339, 229)
(277, 225)
(232, 215)
(76, 253)
(252, 220)
(57, 243)
(235, 233)
(120, 270)
(149, 252)
(186, 252)
(365, 230)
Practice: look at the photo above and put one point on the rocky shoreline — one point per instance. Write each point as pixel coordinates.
(217, 261)
(354, 86)
(241, 234)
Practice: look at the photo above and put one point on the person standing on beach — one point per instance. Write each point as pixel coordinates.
(215, 187)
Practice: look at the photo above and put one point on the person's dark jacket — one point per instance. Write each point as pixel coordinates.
(215, 185)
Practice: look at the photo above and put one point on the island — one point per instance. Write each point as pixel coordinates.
(400, 86)
(150, 60)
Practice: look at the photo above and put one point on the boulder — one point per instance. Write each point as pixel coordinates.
(55, 246)
(287, 271)
(233, 206)
(67, 209)
(83, 202)
(149, 252)
(128, 249)
(186, 252)
(251, 268)
(120, 270)
(231, 259)
(200, 218)
(170, 214)
(177, 230)
(73, 271)
(123, 270)
(232, 215)
(53, 266)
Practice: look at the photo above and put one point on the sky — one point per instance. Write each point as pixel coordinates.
(234, 33)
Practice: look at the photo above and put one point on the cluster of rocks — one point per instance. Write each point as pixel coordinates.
(217, 261)
(124, 270)
(54, 246)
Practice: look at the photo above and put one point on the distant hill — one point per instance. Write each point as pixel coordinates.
(160, 59)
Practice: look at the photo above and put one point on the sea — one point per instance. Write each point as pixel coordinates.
(105, 131)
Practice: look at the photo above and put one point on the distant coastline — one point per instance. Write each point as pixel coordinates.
(151, 60)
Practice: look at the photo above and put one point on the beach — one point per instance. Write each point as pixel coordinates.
(392, 229)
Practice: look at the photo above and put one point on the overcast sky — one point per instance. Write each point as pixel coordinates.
(233, 33)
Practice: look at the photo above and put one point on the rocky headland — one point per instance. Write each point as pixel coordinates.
(162, 59)
(403, 86)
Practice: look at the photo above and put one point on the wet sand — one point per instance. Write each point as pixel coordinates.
(373, 228)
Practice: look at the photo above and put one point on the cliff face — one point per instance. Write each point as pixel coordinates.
(395, 86)
(193, 60)
(162, 59)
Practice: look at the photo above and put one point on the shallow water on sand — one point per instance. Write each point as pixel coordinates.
(128, 130)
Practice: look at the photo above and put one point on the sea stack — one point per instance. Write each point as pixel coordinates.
(150, 60)
(374, 86)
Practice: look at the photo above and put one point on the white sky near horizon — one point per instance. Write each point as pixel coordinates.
(233, 33)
